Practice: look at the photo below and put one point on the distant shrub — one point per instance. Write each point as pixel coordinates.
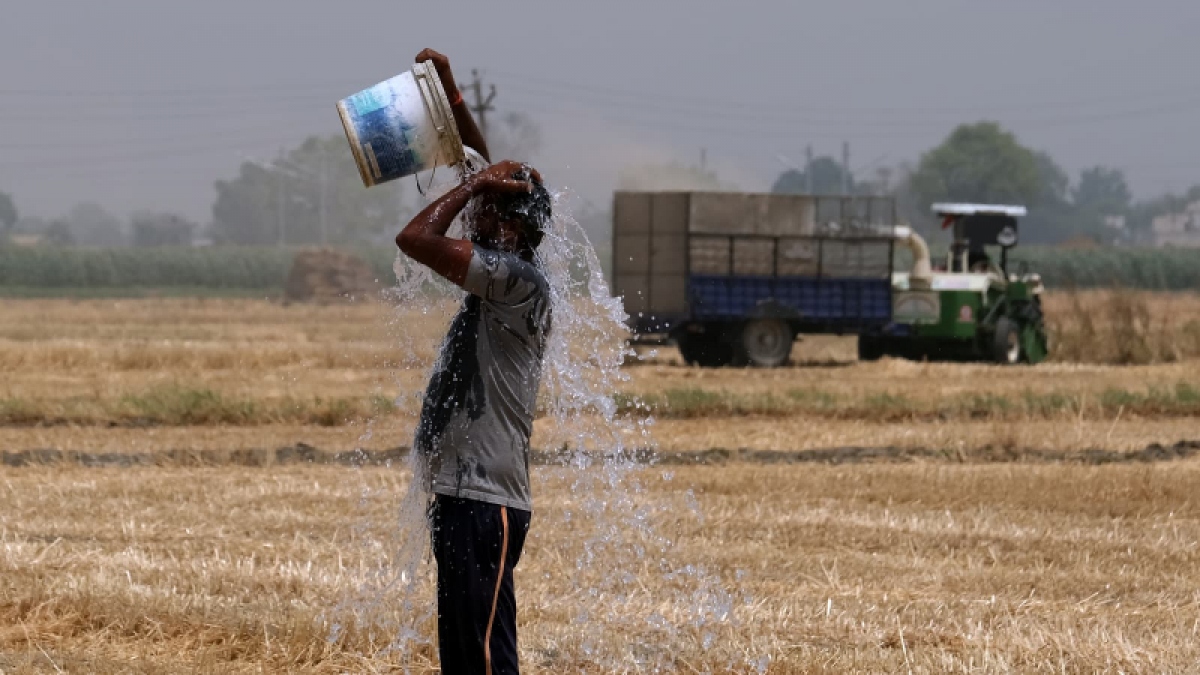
(266, 268)
(243, 268)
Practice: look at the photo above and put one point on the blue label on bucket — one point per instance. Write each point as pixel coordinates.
(385, 135)
(368, 101)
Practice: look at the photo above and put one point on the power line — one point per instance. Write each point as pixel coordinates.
(143, 98)
(842, 122)
(644, 98)
(603, 99)
(158, 153)
(203, 92)
(247, 134)
(741, 127)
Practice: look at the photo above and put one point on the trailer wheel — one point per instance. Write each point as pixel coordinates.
(705, 350)
(1006, 345)
(767, 343)
(870, 348)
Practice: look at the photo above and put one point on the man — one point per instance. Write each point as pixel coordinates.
(478, 410)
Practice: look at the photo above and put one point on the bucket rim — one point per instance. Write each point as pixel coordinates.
(360, 159)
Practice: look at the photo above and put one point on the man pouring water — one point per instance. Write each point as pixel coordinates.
(478, 410)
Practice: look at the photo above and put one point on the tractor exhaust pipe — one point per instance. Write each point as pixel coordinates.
(921, 274)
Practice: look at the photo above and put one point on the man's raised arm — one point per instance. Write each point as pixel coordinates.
(424, 238)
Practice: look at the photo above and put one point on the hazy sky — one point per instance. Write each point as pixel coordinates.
(143, 103)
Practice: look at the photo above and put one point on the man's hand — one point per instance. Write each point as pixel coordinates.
(505, 176)
(442, 65)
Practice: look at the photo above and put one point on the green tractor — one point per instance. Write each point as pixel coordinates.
(972, 307)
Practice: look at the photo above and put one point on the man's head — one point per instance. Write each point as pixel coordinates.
(513, 220)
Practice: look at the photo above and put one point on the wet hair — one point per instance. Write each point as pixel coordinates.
(531, 209)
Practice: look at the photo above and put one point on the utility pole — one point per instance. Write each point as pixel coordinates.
(808, 177)
(482, 106)
(845, 167)
(703, 159)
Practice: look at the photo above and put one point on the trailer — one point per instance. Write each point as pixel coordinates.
(735, 278)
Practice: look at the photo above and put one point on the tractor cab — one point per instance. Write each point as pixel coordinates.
(974, 228)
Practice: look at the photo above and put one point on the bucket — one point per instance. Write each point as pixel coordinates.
(401, 126)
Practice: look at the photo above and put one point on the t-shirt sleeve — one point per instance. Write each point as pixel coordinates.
(502, 277)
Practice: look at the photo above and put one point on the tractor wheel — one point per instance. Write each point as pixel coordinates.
(1006, 344)
(871, 348)
(705, 350)
(1034, 344)
(767, 343)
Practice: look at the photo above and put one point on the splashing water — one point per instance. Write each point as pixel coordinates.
(634, 606)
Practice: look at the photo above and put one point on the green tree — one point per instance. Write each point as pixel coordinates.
(8, 215)
(1051, 215)
(1101, 193)
(58, 233)
(827, 175)
(1102, 190)
(310, 194)
(92, 225)
(161, 229)
(1055, 184)
(979, 163)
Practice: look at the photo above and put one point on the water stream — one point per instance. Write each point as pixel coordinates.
(632, 601)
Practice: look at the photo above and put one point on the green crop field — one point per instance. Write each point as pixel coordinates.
(43, 272)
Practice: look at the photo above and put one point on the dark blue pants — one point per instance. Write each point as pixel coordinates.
(476, 546)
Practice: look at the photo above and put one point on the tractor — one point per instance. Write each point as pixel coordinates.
(972, 307)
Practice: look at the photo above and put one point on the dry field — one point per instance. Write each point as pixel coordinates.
(940, 560)
(184, 372)
(877, 568)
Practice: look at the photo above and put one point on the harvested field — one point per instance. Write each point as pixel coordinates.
(251, 363)
(181, 494)
(928, 568)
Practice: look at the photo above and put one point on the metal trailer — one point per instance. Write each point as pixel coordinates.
(733, 278)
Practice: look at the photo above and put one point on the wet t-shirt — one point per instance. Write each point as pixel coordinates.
(478, 411)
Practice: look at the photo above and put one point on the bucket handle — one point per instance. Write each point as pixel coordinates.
(436, 104)
(417, 179)
(432, 97)
(427, 94)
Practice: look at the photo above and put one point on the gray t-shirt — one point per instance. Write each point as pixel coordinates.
(478, 411)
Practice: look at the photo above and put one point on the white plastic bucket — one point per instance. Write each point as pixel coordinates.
(401, 126)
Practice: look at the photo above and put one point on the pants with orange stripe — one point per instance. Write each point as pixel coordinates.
(476, 546)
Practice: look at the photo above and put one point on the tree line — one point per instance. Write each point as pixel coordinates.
(984, 163)
(312, 194)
